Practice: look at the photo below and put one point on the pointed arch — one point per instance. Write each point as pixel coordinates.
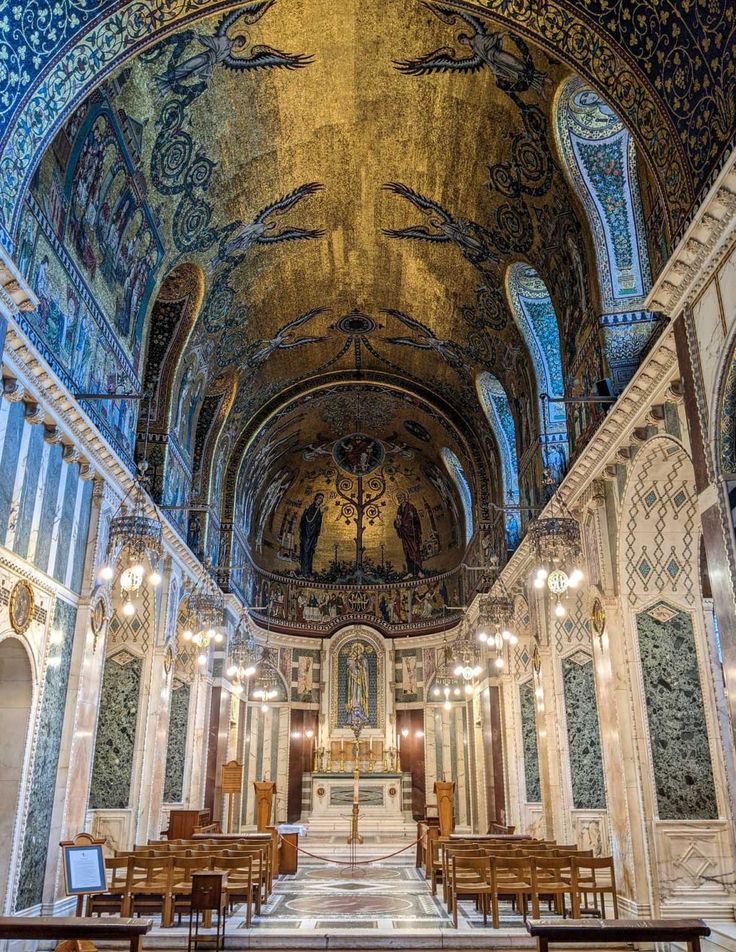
(600, 160)
(534, 313)
(457, 473)
(496, 406)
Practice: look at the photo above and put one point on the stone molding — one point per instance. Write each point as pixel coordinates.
(699, 253)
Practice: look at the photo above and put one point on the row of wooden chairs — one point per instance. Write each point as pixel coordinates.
(157, 879)
(526, 873)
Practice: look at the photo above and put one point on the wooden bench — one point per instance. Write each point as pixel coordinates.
(591, 931)
(75, 928)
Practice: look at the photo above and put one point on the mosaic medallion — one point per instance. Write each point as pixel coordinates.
(358, 454)
(349, 905)
(22, 603)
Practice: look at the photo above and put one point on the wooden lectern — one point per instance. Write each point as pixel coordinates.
(445, 793)
(265, 789)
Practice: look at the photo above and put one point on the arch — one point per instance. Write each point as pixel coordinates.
(16, 702)
(497, 409)
(600, 161)
(535, 316)
(456, 471)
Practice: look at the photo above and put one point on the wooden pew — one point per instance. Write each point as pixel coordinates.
(75, 928)
(591, 931)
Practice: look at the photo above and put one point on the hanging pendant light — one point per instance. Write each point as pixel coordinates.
(558, 550)
(205, 615)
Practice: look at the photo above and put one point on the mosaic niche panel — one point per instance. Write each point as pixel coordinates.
(408, 675)
(305, 675)
(116, 727)
(683, 772)
(583, 733)
(357, 682)
(176, 747)
(529, 743)
(46, 759)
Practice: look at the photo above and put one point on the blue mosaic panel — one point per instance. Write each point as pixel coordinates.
(456, 471)
(35, 847)
(683, 772)
(176, 746)
(116, 727)
(583, 736)
(529, 743)
(497, 409)
(357, 682)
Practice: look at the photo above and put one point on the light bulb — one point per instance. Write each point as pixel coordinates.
(436, 691)
(419, 734)
(538, 582)
(232, 671)
(456, 692)
(211, 633)
(513, 639)
(447, 706)
(542, 573)
(499, 662)
(576, 577)
(128, 609)
(482, 636)
(458, 671)
(238, 688)
(187, 634)
(309, 733)
(106, 573)
(264, 707)
(468, 688)
(477, 671)
(404, 731)
(560, 610)
(250, 671)
(296, 735)
(218, 638)
(202, 658)
(155, 579)
(506, 634)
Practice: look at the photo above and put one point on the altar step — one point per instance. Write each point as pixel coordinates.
(390, 827)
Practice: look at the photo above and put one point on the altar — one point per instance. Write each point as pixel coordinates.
(381, 799)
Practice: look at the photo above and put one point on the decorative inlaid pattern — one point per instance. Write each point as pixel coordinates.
(176, 747)
(678, 733)
(583, 734)
(45, 762)
(529, 743)
(116, 728)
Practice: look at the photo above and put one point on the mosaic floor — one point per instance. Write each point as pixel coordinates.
(327, 905)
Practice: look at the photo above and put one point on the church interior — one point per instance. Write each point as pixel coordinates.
(367, 474)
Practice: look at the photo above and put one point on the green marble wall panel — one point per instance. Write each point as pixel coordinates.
(683, 772)
(176, 747)
(34, 851)
(116, 727)
(583, 736)
(529, 743)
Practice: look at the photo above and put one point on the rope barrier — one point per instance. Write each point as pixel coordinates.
(361, 862)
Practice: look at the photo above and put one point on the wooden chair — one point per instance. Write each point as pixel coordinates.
(469, 876)
(112, 900)
(148, 886)
(596, 876)
(551, 877)
(510, 876)
(261, 870)
(181, 882)
(243, 882)
(448, 854)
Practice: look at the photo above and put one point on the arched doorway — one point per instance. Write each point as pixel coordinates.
(16, 698)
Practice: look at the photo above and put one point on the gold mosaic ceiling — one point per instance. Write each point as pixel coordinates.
(347, 119)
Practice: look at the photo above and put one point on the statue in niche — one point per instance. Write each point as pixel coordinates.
(310, 527)
(408, 527)
(357, 675)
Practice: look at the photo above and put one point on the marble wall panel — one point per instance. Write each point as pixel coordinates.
(583, 735)
(176, 748)
(116, 728)
(46, 760)
(529, 743)
(683, 772)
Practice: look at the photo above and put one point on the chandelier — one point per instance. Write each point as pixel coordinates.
(556, 541)
(243, 656)
(265, 687)
(445, 682)
(495, 620)
(205, 613)
(138, 537)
